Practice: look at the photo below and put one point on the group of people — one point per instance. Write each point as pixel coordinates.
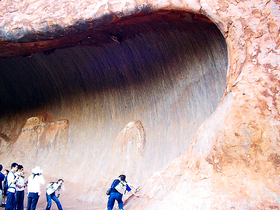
(3, 189)
(13, 184)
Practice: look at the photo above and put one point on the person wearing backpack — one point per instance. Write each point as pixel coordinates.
(11, 192)
(2, 177)
(51, 189)
(117, 190)
(5, 187)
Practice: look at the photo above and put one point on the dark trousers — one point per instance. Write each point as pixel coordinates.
(11, 201)
(115, 196)
(55, 199)
(32, 201)
(19, 200)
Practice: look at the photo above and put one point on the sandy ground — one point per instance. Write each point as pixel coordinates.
(75, 206)
(80, 207)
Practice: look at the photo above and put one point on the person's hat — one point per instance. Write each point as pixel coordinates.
(37, 170)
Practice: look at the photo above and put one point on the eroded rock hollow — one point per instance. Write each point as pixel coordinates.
(150, 92)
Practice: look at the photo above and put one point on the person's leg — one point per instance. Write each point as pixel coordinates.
(21, 200)
(5, 195)
(55, 199)
(49, 202)
(29, 201)
(1, 197)
(8, 203)
(4, 199)
(17, 200)
(35, 198)
(11, 201)
(120, 202)
(111, 201)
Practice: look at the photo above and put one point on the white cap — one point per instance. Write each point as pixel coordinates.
(37, 170)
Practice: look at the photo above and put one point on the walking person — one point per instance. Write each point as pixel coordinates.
(117, 190)
(11, 192)
(34, 191)
(20, 185)
(2, 177)
(51, 189)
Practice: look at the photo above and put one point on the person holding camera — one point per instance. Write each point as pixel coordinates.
(11, 179)
(51, 189)
(20, 185)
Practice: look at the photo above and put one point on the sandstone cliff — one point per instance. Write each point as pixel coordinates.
(181, 96)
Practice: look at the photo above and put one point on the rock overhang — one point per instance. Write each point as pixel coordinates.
(21, 41)
(105, 31)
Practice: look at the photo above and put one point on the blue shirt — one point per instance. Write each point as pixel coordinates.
(2, 177)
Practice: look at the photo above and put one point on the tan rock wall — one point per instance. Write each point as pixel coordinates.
(244, 147)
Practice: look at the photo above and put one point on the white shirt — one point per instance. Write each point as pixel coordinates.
(10, 178)
(51, 188)
(20, 183)
(34, 183)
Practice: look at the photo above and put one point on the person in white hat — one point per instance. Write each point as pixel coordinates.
(34, 190)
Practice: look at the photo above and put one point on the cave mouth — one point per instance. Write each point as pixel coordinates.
(29, 76)
(165, 68)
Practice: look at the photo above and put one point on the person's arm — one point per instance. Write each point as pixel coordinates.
(58, 187)
(42, 180)
(20, 182)
(136, 188)
(115, 182)
(129, 189)
(62, 188)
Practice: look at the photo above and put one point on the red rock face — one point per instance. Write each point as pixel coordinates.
(46, 138)
(186, 108)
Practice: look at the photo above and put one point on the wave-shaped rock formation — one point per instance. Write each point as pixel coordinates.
(180, 96)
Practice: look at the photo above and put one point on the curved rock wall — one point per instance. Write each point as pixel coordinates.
(140, 81)
(127, 102)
